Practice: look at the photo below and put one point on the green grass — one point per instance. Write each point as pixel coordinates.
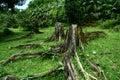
(96, 50)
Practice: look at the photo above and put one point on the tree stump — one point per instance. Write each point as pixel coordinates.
(70, 48)
(79, 39)
(73, 38)
(58, 33)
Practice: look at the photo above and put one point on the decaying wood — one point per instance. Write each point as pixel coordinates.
(79, 37)
(93, 35)
(26, 46)
(70, 71)
(97, 69)
(86, 75)
(21, 54)
(10, 77)
(49, 73)
(58, 33)
(21, 37)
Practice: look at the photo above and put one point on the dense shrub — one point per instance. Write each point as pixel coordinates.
(8, 21)
(116, 28)
(47, 14)
(109, 23)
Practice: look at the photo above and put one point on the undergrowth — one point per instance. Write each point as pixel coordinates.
(104, 51)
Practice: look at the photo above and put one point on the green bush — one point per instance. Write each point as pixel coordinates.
(116, 28)
(109, 23)
(8, 21)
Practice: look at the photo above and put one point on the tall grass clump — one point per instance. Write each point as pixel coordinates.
(116, 28)
(109, 24)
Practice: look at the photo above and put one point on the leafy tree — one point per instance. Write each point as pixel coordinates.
(10, 4)
(72, 11)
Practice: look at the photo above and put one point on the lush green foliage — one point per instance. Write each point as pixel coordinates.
(87, 11)
(8, 20)
(47, 13)
(110, 23)
(96, 50)
(44, 13)
(6, 4)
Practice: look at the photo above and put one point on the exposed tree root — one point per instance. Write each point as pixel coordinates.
(49, 73)
(75, 37)
(93, 35)
(21, 37)
(10, 77)
(26, 46)
(21, 54)
(70, 71)
(86, 75)
(97, 69)
(88, 36)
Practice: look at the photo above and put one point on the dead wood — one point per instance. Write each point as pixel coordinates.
(21, 54)
(79, 40)
(90, 25)
(10, 77)
(69, 69)
(49, 73)
(70, 45)
(93, 35)
(26, 46)
(58, 33)
(96, 68)
(21, 37)
(86, 75)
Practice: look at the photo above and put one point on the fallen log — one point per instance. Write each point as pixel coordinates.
(26, 46)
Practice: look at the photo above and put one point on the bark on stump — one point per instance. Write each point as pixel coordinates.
(70, 48)
(79, 40)
(73, 38)
(58, 33)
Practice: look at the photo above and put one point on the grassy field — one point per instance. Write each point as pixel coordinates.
(104, 51)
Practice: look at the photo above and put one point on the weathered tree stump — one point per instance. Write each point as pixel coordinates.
(73, 38)
(79, 39)
(70, 49)
(58, 33)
